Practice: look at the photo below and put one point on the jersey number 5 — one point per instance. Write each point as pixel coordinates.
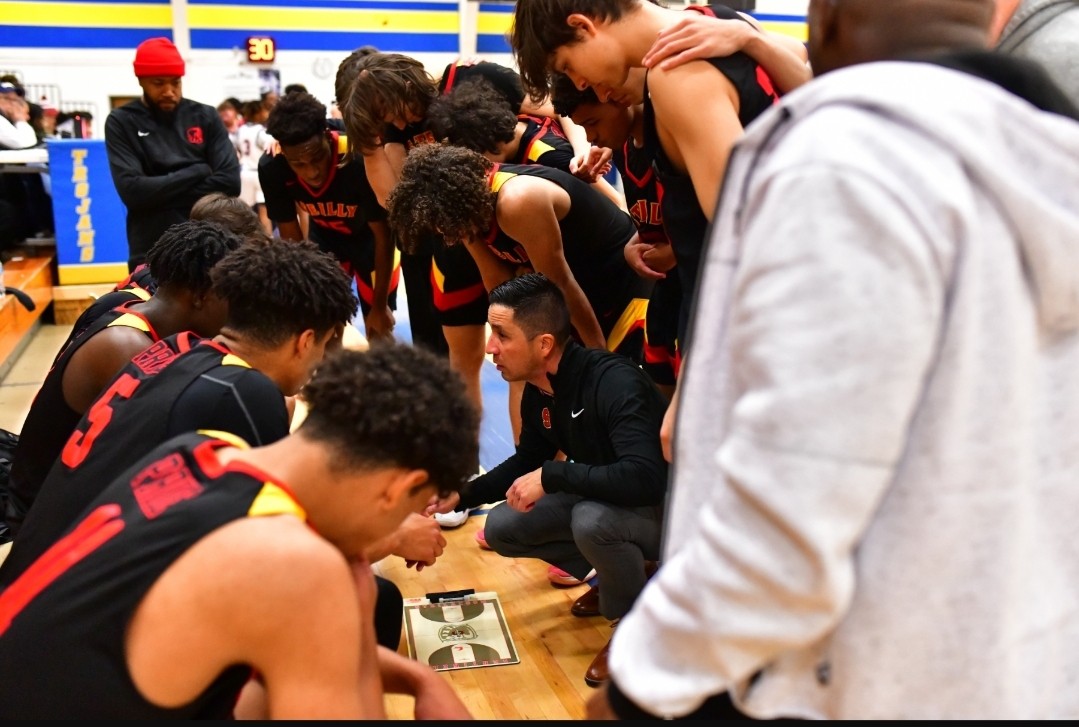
(80, 443)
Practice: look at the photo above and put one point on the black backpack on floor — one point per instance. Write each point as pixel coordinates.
(8, 442)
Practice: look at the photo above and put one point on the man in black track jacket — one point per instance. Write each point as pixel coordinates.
(601, 507)
(165, 151)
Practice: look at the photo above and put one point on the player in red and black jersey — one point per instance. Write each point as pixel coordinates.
(231, 213)
(313, 172)
(693, 112)
(686, 187)
(236, 382)
(207, 564)
(620, 126)
(475, 115)
(386, 116)
(513, 217)
(180, 262)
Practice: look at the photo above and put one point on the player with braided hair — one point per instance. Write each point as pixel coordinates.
(286, 303)
(229, 212)
(180, 262)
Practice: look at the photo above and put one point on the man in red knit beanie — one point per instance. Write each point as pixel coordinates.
(165, 151)
(158, 57)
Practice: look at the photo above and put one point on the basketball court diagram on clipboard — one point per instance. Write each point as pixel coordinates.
(458, 633)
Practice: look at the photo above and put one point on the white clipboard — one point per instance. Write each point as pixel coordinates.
(463, 632)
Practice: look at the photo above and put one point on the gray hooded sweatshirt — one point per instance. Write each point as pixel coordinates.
(876, 474)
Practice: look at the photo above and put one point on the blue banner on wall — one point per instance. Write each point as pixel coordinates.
(91, 235)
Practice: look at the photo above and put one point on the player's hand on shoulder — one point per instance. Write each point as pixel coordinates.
(695, 37)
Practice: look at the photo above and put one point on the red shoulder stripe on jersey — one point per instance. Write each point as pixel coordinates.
(642, 181)
(221, 348)
(126, 307)
(544, 127)
(186, 341)
(702, 9)
(765, 82)
(450, 78)
(204, 455)
(96, 529)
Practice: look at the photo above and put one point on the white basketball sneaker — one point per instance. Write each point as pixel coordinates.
(457, 518)
(454, 519)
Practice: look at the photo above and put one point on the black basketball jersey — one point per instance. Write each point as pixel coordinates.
(138, 285)
(50, 419)
(63, 622)
(182, 383)
(683, 217)
(543, 142)
(103, 305)
(339, 210)
(140, 278)
(456, 283)
(644, 196)
(643, 191)
(594, 233)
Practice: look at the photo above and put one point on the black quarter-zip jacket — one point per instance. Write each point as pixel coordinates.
(605, 414)
(162, 165)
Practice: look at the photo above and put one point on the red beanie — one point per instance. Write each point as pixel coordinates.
(158, 57)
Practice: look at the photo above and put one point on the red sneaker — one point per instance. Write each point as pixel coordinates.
(559, 577)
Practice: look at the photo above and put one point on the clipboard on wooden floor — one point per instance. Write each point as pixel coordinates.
(458, 630)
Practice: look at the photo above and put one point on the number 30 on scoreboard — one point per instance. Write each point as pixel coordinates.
(261, 49)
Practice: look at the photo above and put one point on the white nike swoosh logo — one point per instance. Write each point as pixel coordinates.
(144, 133)
(576, 414)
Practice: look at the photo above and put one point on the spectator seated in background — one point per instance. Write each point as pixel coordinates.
(25, 204)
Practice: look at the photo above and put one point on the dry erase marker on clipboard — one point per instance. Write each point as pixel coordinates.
(451, 595)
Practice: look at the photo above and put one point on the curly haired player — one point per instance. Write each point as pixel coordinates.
(513, 217)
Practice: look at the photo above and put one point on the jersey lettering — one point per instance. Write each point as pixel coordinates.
(330, 209)
(335, 225)
(519, 256)
(425, 137)
(163, 484)
(646, 213)
(153, 359)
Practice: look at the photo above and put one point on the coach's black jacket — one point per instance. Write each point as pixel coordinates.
(161, 165)
(605, 415)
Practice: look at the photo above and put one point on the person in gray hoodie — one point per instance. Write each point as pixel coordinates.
(876, 453)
